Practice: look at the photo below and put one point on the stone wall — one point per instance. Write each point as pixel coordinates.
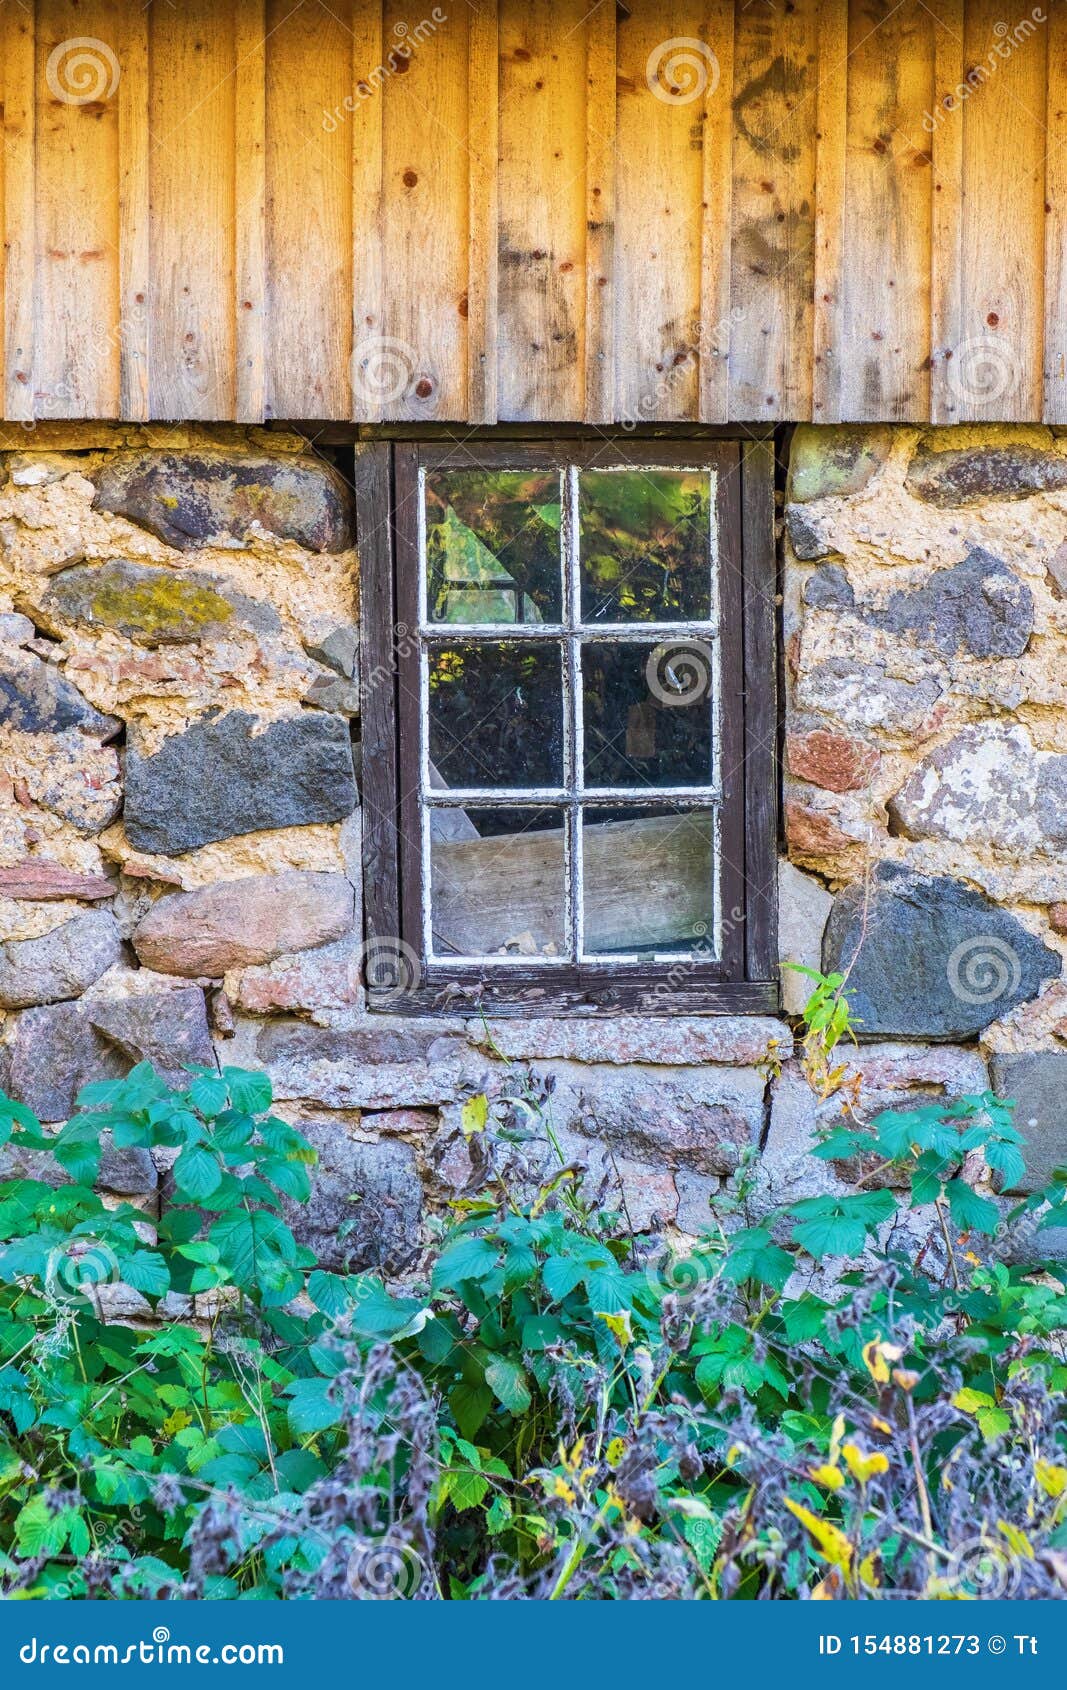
(180, 832)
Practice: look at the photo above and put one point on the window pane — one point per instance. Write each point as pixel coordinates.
(496, 714)
(645, 543)
(648, 881)
(500, 891)
(493, 546)
(648, 713)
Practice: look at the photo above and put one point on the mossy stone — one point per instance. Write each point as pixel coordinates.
(154, 606)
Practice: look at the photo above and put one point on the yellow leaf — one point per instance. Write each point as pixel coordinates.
(880, 1425)
(1052, 1479)
(620, 1325)
(837, 1432)
(869, 1571)
(864, 1467)
(877, 1357)
(176, 1422)
(616, 1451)
(829, 1540)
(560, 1487)
(1018, 1541)
(831, 1477)
(474, 1115)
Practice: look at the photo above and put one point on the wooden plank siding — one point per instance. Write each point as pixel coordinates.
(703, 211)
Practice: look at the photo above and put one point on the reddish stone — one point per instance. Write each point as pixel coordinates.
(832, 760)
(239, 923)
(1057, 916)
(40, 880)
(399, 1121)
(811, 833)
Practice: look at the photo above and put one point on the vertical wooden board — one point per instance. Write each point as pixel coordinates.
(886, 312)
(250, 190)
(946, 149)
(775, 108)
(192, 101)
(78, 73)
(425, 214)
(483, 142)
(542, 237)
(1055, 349)
(309, 210)
(601, 112)
(997, 367)
(828, 277)
(715, 217)
(135, 294)
(372, 369)
(17, 71)
(666, 69)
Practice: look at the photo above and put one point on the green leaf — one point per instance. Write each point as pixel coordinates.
(969, 1211)
(197, 1173)
(249, 1091)
(838, 1226)
(209, 1095)
(147, 1272)
(311, 1409)
(467, 1258)
(561, 1275)
(507, 1381)
(1008, 1161)
(754, 1255)
(329, 1292)
(470, 1404)
(291, 1178)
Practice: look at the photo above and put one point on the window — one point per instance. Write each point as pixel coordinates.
(568, 724)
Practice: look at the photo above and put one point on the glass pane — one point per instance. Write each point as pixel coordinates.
(496, 714)
(648, 713)
(648, 881)
(501, 890)
(645, 545)
(493, 546)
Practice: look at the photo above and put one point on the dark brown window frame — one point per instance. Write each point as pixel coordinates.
(400, 979)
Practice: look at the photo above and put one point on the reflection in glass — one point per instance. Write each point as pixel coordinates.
(645, 545)
(499, 891)
(648, 881)
(496, 714)
(493, 546)
(648, 713)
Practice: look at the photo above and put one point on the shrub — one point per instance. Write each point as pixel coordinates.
(829, 1402)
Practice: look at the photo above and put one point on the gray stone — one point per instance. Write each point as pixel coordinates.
(189, 498)
(806, 535)
(36, 698)
(366, 1202)
(222, 777)
(927, 957)
(863, 695)
(979, 606)
(696, 1194)
(829, 588)
(986, 786)
(339, 649)
(376, 1067)
(55, 1051)
(803, 907)
(676, 1041)
(330, 692)
(240, 923)
(1037, 1082)
(126, 1173)
(835, 461)
(60, 964)
(985, 472)
(659, 1126)
(15, 630)
(154, 607)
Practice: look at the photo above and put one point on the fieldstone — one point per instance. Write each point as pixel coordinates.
(42, 881)
(831, 760)
(862, 695)
(1057, 916)
(833, 462)
(365, 1208)
(659, 1126)
(60, 964)
(803, 907)
(36, 698)
(742, 1039)
(806, 535)
(79, 781)
(330, 692)
(978, 606)
(812, 833)
(1056, 572)
(376, 1067)
(189, 498)
(128, 1172)
(929, 957)
(829, 588)
(399, 1123)
(696, 1196)
(339, 649)
(15, 630)
(985, 472)
(154, 607)
(987, 786)
(1037, 1082)
(222, 777)
(54, 1051)
(327, 977)
(238, 923)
